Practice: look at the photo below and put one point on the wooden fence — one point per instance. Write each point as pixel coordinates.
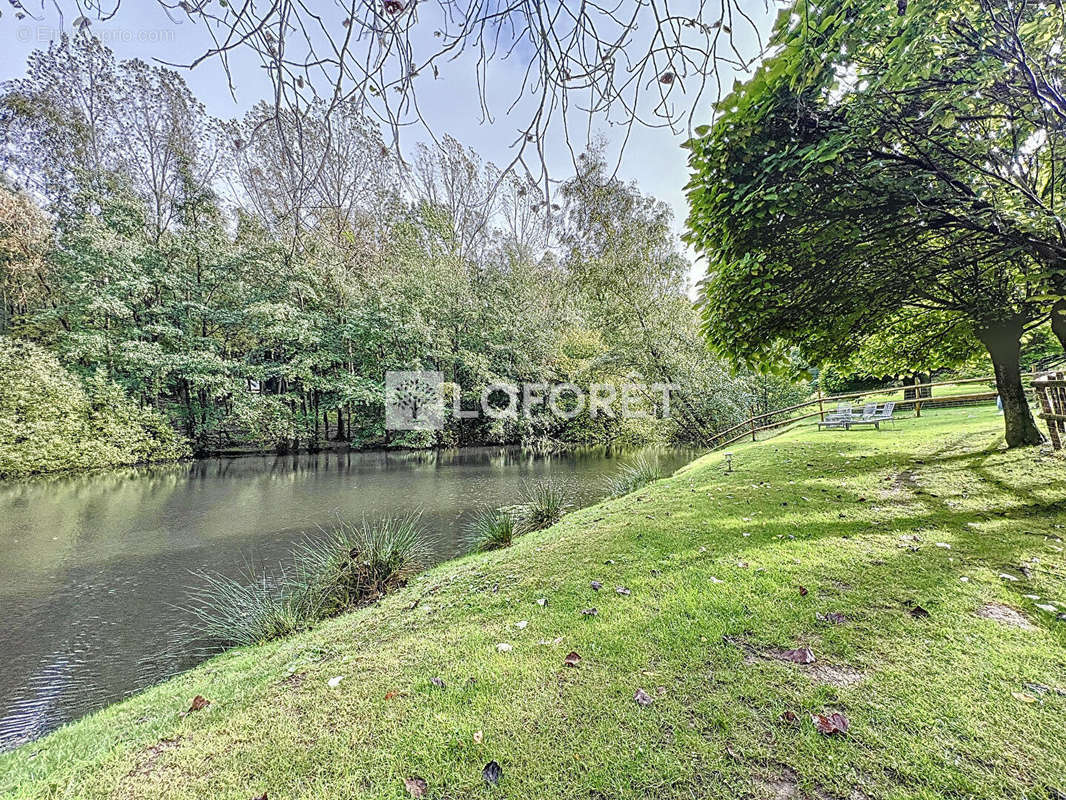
(759, 423)
(1051, 391)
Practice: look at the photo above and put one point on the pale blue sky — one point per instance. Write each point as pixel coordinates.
(652, 158)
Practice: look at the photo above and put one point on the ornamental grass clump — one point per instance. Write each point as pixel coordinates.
(492, 529)
(349, 566)
(631, 477)
(544, 503)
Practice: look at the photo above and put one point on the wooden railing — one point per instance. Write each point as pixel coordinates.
(759, 423)
(1051, 391)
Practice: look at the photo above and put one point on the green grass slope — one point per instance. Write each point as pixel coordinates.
(969, 701)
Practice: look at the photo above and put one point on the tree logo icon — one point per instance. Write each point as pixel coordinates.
(414, 400)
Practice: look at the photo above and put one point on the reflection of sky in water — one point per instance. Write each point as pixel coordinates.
(95, 565)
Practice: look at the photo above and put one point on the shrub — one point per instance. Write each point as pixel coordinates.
(545, 502)
(51, 420)
(634, 476)
(492, 529)
(350, 566)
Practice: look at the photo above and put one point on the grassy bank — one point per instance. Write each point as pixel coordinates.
(927, 541)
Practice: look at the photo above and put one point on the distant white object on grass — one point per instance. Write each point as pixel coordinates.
(334, 681)
(503, 647)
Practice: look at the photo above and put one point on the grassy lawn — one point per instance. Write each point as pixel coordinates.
(725, 571)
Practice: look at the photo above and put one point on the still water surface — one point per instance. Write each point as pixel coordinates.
(94, 569)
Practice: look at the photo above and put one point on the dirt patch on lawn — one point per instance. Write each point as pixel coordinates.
(785, 786)
(901, 482)
(839, 675)
(152, 754)
(833, 675)
(1005, 615)
(781, 787)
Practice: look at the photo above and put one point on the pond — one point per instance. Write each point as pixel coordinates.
(96, 568)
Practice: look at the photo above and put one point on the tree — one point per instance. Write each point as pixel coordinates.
(625, 263)
(825, 202)
(25, 242)
(633, 63)
(914, 344)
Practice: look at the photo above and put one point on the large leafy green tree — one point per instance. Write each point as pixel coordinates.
(876, 165)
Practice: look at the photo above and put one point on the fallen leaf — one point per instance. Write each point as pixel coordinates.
(199, 703)
(789, 716)
(571, 659)
(389, 695)
(716, 580)
(332, 682)
(521, 625)
(803, 591)
(829, 724)
(590, 612)
(503, 647)
(416, 787)
(595, 586)
(437, 682)
(492, 773)
(478, 737)
(833, 618)
(1023, 696)
(642, 698)
(623, 590)
(801, 655)
(918, 612)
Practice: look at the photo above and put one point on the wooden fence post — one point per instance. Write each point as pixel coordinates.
(1053, 404)
(821, 407)
(917, 397)
(753, 423)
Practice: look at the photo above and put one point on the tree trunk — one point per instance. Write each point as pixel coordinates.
(1058, 321)
(1004, 346)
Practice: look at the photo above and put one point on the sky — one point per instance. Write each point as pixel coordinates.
(653, 158)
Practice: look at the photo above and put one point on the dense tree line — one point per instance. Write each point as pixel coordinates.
(253, 279)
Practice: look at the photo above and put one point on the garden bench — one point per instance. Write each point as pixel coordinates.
(841, 418)
(876, 417)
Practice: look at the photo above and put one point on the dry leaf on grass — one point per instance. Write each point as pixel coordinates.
(830, 724)
(492, 773)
